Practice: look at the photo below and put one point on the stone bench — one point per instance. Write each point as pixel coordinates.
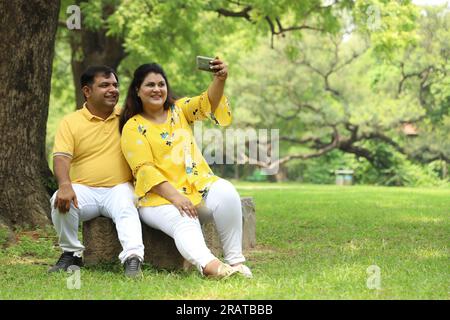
(102, 245)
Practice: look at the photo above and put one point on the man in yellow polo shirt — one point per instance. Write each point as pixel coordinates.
(93, 176)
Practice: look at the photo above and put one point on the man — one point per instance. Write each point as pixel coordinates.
(93, 176)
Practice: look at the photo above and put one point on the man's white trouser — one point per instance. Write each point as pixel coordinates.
(224, 206)
(116, 203)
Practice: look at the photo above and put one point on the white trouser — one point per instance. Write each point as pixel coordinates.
(224, 206)
(116, 203)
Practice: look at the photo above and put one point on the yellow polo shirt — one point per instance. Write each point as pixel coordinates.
(93, 144)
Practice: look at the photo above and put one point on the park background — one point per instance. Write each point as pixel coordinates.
(354, 85)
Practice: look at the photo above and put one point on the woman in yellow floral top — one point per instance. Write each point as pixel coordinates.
(172, 179)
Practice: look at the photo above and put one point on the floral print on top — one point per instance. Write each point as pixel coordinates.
(168, 151)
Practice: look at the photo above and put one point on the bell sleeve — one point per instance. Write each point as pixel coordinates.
(199, 108)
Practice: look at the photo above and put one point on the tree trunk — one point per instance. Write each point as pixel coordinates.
(236, 172)
(26, 52)
(444, 170)
(280, 176)
(94, 48)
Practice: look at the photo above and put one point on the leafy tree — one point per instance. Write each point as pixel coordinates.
(175, 31)
(342, 91)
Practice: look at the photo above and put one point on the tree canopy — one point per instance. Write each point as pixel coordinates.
(365, 78)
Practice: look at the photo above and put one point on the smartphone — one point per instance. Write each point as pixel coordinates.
(203, 63)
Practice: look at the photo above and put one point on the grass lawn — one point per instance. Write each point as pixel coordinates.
(314, 242)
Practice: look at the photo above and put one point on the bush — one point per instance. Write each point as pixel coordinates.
(319, 170)
(401, 172)
(391, 169)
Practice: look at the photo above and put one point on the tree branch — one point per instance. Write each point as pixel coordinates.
(386, 139)
(422, 74)
(332, 145)
(299, 141)
(244, 13)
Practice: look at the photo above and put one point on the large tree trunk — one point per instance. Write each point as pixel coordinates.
(93, 48)
(27, 39)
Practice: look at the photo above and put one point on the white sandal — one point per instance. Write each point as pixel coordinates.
(224, 271)
(243, 270)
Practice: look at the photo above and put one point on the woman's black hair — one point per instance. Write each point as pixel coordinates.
(133, 104)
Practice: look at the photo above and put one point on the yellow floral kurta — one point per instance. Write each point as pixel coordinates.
(168, 151)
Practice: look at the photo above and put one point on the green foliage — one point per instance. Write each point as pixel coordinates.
(392, 169)
(424, 68)
(4, 235)
(62, 97)
(320, 170)
(401, 172)
(390, 25)
(257, 176)
(277, 82)
(273, 87)
(171, 33)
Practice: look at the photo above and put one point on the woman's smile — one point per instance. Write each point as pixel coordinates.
(153, 90)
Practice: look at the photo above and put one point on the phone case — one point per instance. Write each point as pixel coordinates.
(203, 63)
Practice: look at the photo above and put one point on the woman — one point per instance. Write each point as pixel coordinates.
(172, 179)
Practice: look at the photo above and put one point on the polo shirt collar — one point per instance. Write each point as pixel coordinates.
(88, 115)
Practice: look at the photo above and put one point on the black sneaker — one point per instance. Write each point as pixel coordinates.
(66, 260)
(133, 267)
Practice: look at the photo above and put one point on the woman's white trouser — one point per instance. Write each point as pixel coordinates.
(116, 203)
(224, 206)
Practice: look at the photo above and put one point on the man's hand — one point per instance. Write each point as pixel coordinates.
(64, 196)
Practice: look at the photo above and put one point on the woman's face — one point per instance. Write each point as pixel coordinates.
(153, 90)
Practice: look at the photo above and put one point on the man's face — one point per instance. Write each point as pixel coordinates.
(104, 92)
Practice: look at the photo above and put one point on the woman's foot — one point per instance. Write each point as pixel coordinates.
(218, 270)
(243, 270)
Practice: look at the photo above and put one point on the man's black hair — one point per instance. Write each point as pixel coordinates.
(87, 78)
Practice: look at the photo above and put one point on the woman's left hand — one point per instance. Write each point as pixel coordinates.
(220, 69)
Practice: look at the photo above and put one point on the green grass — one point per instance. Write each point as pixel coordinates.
(314, 242)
